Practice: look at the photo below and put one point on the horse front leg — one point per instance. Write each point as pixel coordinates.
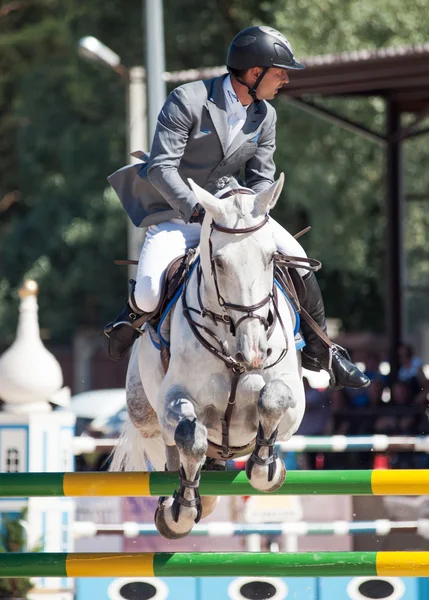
(176, 515)
(265, 471)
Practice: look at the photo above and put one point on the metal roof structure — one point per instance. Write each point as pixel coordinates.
(400, 76)
(402, 73)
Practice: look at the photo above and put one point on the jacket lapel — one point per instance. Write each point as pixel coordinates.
(217, 109)
(255, 115)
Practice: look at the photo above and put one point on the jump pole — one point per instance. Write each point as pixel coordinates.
(300, 443)
(228, 483)
(214, 564)
(379, 527)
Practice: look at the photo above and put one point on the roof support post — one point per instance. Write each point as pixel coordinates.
(395, 251)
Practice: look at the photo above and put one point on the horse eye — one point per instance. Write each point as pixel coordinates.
(219, 263)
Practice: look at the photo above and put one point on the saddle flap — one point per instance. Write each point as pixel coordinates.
(173, 278)
(291, 282)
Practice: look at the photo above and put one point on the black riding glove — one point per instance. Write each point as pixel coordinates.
(198, 214)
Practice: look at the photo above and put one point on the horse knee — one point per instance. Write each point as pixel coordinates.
(274, 399)
(191, 437)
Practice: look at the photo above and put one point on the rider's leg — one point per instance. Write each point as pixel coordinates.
(316, 354)
(164, 242)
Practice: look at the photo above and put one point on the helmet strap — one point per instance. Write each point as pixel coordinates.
(252, 90)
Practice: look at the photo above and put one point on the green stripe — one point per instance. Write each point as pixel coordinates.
(23, 485)
(321, 530)
(163, 484)
(47, 564)
(229, 483)
(230, 564)
(328, 482)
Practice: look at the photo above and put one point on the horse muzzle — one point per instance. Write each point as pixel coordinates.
(254, 360)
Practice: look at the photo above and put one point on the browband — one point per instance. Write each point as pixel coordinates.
(233, 192)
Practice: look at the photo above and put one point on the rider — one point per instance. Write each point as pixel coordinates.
(206, 130)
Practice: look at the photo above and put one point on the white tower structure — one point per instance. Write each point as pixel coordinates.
(34, 437)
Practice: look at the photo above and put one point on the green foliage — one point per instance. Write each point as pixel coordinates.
(12, 539)
(62, 132)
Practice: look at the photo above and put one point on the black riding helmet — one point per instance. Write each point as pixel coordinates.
(260, 47)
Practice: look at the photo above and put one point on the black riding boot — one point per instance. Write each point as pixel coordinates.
(121, 332)
(316, 355)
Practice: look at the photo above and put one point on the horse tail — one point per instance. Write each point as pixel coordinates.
(136, 453)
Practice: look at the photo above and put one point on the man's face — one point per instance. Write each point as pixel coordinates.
(272, 81)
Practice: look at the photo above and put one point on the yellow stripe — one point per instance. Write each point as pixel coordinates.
(402, 564)
(110, 565)
(408, 482)
(106, 484)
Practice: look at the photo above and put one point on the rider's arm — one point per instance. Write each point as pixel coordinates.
(169, 142)
(260, 169)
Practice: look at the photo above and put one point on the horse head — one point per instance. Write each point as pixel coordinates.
(237, 252)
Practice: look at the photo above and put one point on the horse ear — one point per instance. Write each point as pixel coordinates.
(209, 202)
(267, 199)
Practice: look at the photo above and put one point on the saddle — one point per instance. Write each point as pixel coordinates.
(172, 281)
(171, 286)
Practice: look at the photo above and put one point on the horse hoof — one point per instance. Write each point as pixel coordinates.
(162, 526)
(279, 476)
(258, 476)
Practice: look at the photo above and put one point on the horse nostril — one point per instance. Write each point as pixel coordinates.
(239, 357)
(269, 351)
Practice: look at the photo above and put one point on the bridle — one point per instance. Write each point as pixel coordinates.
(268, 323)
(220, 349)
(249, 310)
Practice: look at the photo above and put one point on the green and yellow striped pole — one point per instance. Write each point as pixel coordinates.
(213, 564)
(229, 483)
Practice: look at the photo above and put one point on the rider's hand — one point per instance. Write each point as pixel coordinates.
(198, 214)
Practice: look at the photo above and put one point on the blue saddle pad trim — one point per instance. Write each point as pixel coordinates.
(300, 345)
(153, 340)
(297, 317)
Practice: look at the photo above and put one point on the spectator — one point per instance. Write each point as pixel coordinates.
(406, 422)
(361, 397)
(403, 397)
(375, 405)
(411, 369)
(317, 411)
(316, 419)
(340, 412)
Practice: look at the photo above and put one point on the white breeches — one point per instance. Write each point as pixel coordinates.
(166, 241)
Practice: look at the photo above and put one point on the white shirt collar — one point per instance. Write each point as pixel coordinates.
(233, 104)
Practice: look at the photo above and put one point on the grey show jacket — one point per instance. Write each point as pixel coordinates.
(191, 141)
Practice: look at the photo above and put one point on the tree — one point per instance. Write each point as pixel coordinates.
(62, 132)
(12, 539)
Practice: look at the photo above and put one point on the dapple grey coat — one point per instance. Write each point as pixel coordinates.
(191, 141)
